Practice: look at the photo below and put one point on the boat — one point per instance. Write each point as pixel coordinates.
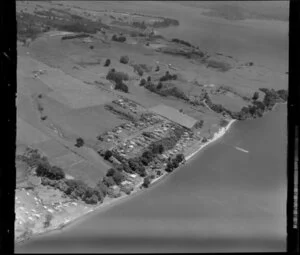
(240, 149)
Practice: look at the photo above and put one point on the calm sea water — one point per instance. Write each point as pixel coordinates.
(223, 200)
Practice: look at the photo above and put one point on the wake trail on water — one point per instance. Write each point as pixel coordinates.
(236, 147)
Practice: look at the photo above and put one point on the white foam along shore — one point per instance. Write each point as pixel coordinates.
(216, 136)
(222, 131)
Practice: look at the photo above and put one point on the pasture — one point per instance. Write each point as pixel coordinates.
(28, 134)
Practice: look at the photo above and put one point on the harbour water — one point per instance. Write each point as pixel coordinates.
(223, 200)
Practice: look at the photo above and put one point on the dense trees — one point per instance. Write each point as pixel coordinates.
(116, 175)
(51, 172)
(137, 166)
(170, 90)
(121, 86)
(169, 167)
(76, 189)
(108, 181)
(174, 163)
(256, 109)
(118, 78)
(179, 157)
(54, 176)
(168, 76)
(115, 76)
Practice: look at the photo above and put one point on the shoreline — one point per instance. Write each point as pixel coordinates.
(222, 131)
(137, 190)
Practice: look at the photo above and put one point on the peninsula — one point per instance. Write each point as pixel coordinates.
(107, 106)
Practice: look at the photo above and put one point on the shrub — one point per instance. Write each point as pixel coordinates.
(138, 69)
(102, 188)
(179, 157)
(137, 166)
(118, 39)
(148, 155)
(147, 181)
(121, 86)
(91, 47)
(126, 190)
(110, 172)
(199, 124)
(181, 42)
(112, 75)
(142, 82)
(283, 94)
(107, 62)
(79, 142)
(159, 86)
(118, 177)
(48, 219)
(255, 95)
(175, 164)
(108, 181)
(221, 66)
(124, 59)
(56, 173)
(107, 154)
(168, 76)
(51, 172)
(169, 167)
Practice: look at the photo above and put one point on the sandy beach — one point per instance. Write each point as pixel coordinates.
(217, 135)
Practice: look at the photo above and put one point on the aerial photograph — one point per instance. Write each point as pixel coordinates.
(151, 126)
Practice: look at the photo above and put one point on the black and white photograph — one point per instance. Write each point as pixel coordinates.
(151, 126)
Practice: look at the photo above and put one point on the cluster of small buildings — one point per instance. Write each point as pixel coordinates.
(119, 133)
(128, 104)
(131, 139)
(136, 145)
(186, 140)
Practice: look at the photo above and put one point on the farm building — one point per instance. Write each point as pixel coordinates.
(174, 115)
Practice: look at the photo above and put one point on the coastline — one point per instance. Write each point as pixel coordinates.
(222, 131)
(137, 190)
